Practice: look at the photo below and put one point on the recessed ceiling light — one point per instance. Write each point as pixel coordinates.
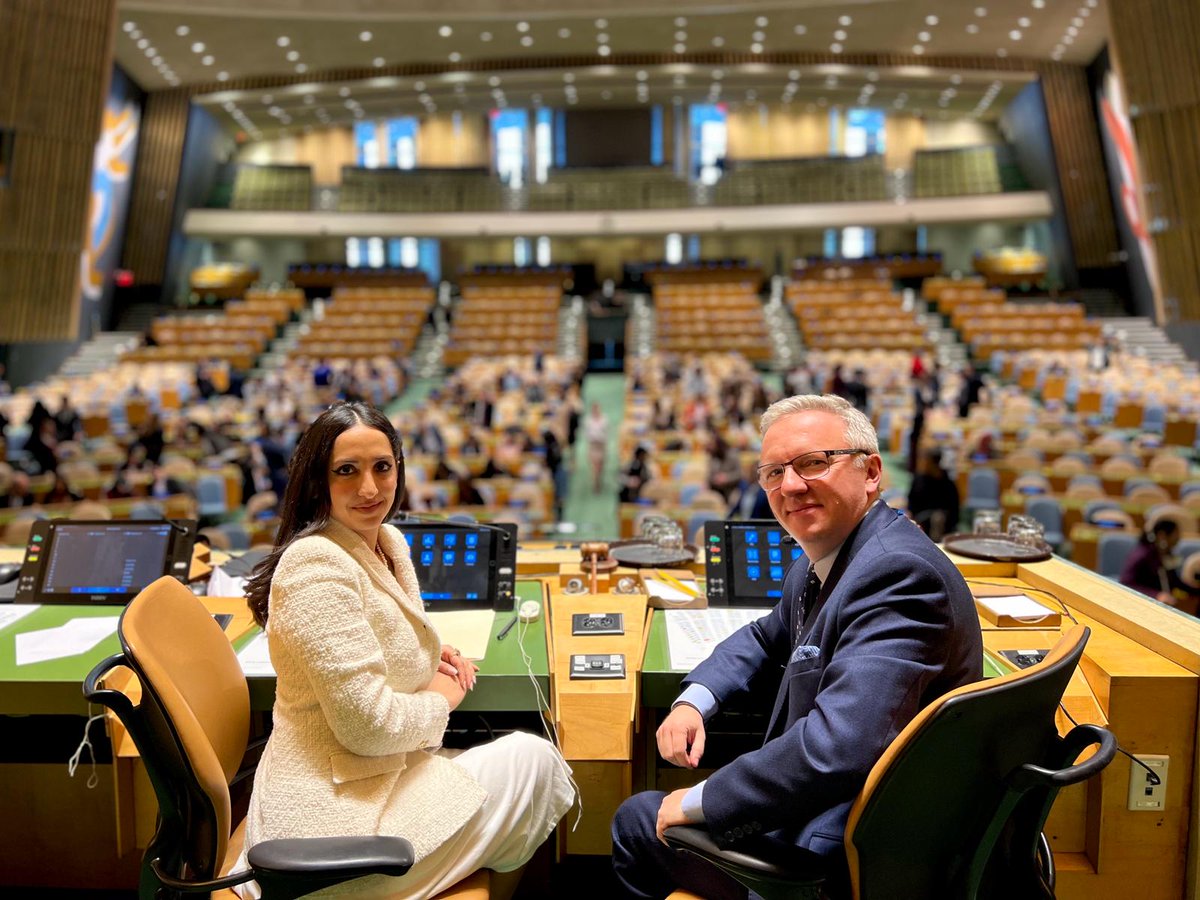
(143, 43)
(918, 49)
(972, 28)
(150, 51)
(605, 50)
(758, 36)
(1002, 52)
(485, 36)
(365, 36)
(835, 48)
(222, 76)
(931, 20)
(956, 78)
(981, 11)
(207, 60)
(522, 27)
(682, 48)
(1068, 40)
(761, 21)
(283, 40)
(1084, 11)
(1077, 22)
(182, 31)
(1072, 31)
(924, 37)
(839, 35)
(1024, 21)
(156, 61)
(680, 21)
(129, 26)
(793, 75)
(445, 31)
(564, 33)
(455, 57)
(344, 91)
(602, 38)
(1039, 4)
(845, 21)
(681, 35)
(378, 62)
(419, 86)
(197, 47)
(602, 23)
(494, 81)
(292, 55)
(803, 29)
(526, 41)
(718, 41)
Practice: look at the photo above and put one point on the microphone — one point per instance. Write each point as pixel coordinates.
(441, 520)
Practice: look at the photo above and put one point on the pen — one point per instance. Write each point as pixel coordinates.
(507, 628)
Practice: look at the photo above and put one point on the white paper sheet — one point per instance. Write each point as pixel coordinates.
(670, 593)
(70, 639)
(693, 633)
(221, 584)
(468, 630)
(11, 614)
(256, 658)
(1018, 606)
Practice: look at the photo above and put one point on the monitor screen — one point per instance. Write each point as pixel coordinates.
(453, 564)
(759, 557)
(746, 561)
(105, 558)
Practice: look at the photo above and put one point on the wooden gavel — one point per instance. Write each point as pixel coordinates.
(593, 552)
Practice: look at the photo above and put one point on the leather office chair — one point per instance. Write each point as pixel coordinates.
(191, 727)
(955, 806)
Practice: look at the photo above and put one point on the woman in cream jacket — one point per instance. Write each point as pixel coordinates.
(365, 688)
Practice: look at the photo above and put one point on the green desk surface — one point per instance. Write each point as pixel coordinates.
(660, 683)
(55, 687)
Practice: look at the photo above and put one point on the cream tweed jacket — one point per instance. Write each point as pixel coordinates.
(351, 750)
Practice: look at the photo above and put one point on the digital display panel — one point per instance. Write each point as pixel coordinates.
(105, 558)
(758, 558)
(453, 564)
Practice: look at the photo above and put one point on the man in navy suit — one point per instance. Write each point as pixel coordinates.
(874, 624)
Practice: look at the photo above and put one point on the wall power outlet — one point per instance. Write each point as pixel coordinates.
(1144, 795)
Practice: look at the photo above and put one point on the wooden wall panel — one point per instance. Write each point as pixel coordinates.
(156, 181)
(1081, 171)
(1154, 47)
(55, 65)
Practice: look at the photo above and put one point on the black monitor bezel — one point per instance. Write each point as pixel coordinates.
(499, 537)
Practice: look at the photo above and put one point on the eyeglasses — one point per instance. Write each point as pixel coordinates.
(810, 466)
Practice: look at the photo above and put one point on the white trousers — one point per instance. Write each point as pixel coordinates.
(528, 792)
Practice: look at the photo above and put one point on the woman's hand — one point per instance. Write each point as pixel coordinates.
(448, 687)
(458, 666)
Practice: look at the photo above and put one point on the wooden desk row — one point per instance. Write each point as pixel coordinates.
(1140, 677)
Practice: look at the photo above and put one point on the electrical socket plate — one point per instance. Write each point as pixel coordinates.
(1143, 796)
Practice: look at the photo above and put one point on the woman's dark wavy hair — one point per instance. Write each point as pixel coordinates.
(305, 508)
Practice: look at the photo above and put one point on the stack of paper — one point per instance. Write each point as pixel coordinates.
(693, 633)
(70, 639)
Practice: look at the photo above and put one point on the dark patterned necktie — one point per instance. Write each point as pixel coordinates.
(808, 597)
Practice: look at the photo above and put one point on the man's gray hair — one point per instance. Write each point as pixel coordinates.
(860, 433)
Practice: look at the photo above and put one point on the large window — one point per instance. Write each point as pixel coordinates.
(673, 251)
(366, 144)
(509, 127)
(865, 132)
(543, 144)
(402, 142)
(709, 133)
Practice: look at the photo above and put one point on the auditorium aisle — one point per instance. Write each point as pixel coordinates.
(594, 515)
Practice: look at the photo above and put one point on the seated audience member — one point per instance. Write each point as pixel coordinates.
(60, 491)
(164, 485)
(724, 467)
(749, 500)
(68, 425)
(468, 494)
(875, 622)
(42, 443)
(357, 719)
(556, 468)
(1151, 569)
(933, 501)
(635, 475)
(18, 492)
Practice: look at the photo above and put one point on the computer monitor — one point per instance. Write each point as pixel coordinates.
(108, 562)
(463, 566)
(745, 561)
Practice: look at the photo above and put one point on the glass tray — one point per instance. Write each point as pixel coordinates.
(995, 548)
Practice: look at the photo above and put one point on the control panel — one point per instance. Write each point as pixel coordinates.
(597, 623)
(597, 665)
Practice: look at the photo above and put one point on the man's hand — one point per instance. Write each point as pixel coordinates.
(681, 737)
(670, 812)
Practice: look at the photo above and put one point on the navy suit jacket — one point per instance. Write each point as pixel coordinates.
(893, 629)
